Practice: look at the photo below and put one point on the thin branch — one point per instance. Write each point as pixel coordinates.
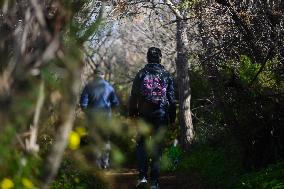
(262, 66)
(30, 144)
(203, 122)
(25, 31)
(173, 22)
(49, 53)
(174, 9)
(41, 18)
(92, 64)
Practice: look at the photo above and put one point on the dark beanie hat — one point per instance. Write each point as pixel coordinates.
(154, 54)
(98, 71)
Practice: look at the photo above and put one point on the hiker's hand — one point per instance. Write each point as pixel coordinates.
(133, 115)
(173, 126)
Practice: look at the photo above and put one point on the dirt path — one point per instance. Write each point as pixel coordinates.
(127, 178)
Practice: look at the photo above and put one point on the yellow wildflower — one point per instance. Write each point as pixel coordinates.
(7, 184)
(77, 180)
(74, 140)
(81, 131)
(27, 183)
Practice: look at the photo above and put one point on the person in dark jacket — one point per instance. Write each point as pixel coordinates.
(97, 100)
(152, 99)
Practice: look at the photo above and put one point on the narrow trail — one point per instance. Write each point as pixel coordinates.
(127, 178)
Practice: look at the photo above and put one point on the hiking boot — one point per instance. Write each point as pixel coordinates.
(142, 183)
(155, 186)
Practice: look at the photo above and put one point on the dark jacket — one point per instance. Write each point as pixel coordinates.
(98, 95)
(139, 107)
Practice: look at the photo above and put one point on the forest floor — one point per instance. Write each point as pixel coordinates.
(127, 179)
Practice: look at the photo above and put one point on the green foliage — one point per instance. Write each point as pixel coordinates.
(188, 4)
(228, 107)
(66, 20)
(172, 151)
(71, 176)
(208, 121)
(50, 78)
(171, 158)
(16, 165)
(269, 79)
(215, 166)
(117, 157)
(92, 28)
(271, 177)
(247, 70)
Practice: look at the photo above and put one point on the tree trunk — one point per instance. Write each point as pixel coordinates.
(187, 132)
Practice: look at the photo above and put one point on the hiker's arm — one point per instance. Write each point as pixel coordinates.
(172, 101)
(84, 100)
(113, 99)
(133, 101)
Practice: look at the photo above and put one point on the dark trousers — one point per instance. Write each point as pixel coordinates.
(143, 156)
(99, 137)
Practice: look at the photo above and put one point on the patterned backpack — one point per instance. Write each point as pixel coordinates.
(154, 88)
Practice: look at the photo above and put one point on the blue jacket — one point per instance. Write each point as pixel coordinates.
(139, 107)
(99, 95)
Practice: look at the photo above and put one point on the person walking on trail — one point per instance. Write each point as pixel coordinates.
(97, 99)
(152, 99)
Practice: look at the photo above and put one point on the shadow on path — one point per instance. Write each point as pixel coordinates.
(127, 178)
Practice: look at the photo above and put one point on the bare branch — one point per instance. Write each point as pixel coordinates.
(174, 9)
(49, 52)
(30, 144)
(41, 18)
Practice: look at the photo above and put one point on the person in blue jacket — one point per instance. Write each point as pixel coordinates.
(152, 99)
(97, 100)
(99, 95)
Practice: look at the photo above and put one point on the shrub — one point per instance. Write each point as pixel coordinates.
(216, 168)
(271, 177)
(70, 176)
